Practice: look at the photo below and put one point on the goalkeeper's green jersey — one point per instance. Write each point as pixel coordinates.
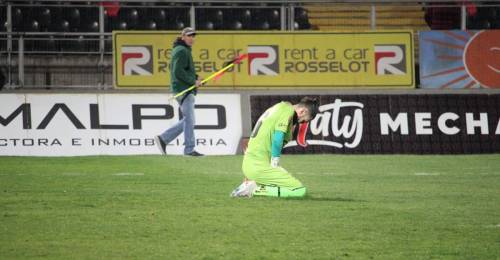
(277, 118)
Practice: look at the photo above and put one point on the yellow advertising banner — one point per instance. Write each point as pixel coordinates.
(275, 59)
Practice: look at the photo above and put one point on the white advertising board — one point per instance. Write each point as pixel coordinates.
(112, 124)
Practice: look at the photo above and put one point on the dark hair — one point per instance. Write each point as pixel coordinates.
(312, 104)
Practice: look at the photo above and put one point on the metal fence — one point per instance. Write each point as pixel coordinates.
(57, 60)
(68, 44)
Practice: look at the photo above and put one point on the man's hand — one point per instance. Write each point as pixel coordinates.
(198, 82)
(275, 162)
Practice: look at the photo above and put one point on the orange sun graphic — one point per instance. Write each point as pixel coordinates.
(479, 62)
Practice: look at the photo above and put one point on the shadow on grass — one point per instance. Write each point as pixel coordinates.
(332, 199)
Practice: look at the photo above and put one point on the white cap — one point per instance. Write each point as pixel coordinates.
(188, 31)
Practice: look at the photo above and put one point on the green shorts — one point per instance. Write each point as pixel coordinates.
(262, 173)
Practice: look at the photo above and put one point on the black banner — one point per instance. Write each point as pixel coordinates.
(402, 124)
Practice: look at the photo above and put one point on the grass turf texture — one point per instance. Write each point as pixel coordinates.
(382, 207)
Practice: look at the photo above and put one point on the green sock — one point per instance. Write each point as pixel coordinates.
(275, 191)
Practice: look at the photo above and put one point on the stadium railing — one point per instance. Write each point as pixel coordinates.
(67, 44)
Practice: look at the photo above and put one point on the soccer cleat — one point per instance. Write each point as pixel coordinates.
(246, 189)
(265, 190)
(194, 153)
(161, 145)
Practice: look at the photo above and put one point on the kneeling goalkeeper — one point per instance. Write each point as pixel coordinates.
(263, 175)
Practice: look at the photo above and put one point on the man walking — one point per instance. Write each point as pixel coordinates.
(263, 175)
(182, 76)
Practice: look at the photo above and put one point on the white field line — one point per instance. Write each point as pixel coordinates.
(493, 226)
(128, 174)
(427, 174)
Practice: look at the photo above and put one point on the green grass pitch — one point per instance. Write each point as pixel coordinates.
(174, 207)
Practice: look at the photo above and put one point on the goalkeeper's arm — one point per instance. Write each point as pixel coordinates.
(277, 145)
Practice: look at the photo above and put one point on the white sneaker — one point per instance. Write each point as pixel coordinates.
(245, 189)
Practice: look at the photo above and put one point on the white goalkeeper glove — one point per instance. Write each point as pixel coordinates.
(275, 162)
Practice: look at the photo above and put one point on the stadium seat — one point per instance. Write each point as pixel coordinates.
(246, 17)
(217, 15)
(236, 25)
(146, 23)
(44, 17)
(17, 19)
(62, 26)
(90, 26)
(179, 25)
(301, 19)
(55, 19)
(159, 17)
(209, 19)
(274, 18)
(264, 25)
(29, 21)
(207, 26)
(73, 17)
(120, 25)
(131, 17)
(266, 19)
(238, 16)
(90, 19)
(241, 26)
(203, 22)
(159, 14)
(32, 26)
(177, 18)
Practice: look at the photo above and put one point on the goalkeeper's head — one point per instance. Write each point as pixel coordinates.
(307, 109)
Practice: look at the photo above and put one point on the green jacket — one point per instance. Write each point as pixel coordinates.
(182, 74)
